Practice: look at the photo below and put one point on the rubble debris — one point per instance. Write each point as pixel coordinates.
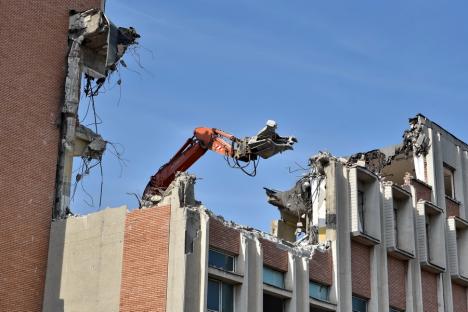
(415, 142)
(88, 143)
(415, 139)
(319, 162)
(96, 47)
(297, 200)
(374, 160)
(299, 203)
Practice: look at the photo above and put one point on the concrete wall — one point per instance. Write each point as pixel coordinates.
(85, 262)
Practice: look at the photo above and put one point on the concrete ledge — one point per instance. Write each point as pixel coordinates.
(433, 268)
(327, 306)
(225, 276)
(364, 238)
(278, 292)
(460, 280)
(400, 254)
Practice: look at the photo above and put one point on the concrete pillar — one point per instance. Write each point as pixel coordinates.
(415, 269)
(341, 291)
(464, 166)
(250, 296)
(188, 249)
(298, 280)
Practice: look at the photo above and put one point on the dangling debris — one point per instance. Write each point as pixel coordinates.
(96, 47)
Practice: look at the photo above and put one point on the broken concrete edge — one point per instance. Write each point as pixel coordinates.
(303, 250)
(415, 142)
(298, 203)
(182, 191)
(96, 47)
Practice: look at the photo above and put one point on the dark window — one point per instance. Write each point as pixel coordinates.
(359, 304)
(273, 277)
(313, 309)
(319, 291)
(449, 181)
(220, 297)
(220, 260)
(272, 304)
(395, 310)
(361, 212)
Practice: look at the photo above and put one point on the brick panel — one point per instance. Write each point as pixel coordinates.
(423, 190)
(223, 237)
(429, 294)
(460, 299)
(33, 58)
(397, 282)
(360, 269)
(453, 207)
(321, 267)
(273, 256)
(145, 258)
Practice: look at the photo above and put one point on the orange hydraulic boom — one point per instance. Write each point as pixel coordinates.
(265, 144)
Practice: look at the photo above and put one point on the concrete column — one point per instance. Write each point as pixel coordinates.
(464, 163)
(342, 285)
(250, 293)
(415, 269)
(440, 295)
(409, 290)
(298, 277)
(188, 249)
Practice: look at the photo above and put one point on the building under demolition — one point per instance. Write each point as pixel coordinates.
(384, 230)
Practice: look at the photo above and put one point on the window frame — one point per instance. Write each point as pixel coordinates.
(327, 287)
(363, 300)
(221, 290)
(226, 255)
(273, 270)
(361, 210)
(451, 174)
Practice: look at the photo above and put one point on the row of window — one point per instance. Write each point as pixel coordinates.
(221, 295)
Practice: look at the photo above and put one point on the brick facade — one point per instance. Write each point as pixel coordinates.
(273, 256)
(145, 260)
(460, 299)
(33, 58)
(360, 269)
(397, 282)
(452, 207)
(224, 238)
(423, 190)
(321, 267)
(429, 294)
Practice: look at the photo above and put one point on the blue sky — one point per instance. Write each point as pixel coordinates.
(342, 76)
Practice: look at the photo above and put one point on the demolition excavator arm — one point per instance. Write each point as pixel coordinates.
(265, 144)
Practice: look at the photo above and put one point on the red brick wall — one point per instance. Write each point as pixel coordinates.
(460, 300)
(223, 237)
(360, 269)
(33, 57)
(145, 257)
(429, 294)
(453, 207)
(273, 256)
(321, 267)
(397, 282)
(423, 191)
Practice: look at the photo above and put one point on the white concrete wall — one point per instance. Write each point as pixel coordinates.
(85, 262)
